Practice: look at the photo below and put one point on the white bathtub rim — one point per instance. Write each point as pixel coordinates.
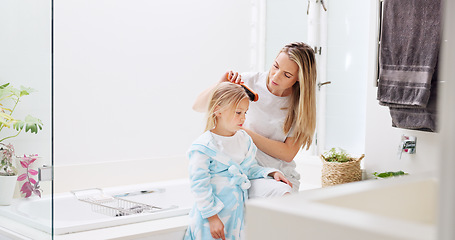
(65, 227)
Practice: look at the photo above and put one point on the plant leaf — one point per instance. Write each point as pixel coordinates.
(28, 194)
(27, 189)
(33, 181)
(33, 172)
(23, 93)
(4, 85)
(22, 177)
(18, 125)
(6, 119)
(37, 192)
(25, 186)
(334, 155)
(24, 164)
(26, 91)
(5, 91)
(389, 174)
(32, 124)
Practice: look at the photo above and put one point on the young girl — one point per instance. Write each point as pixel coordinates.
(283, 120)
(222, 162)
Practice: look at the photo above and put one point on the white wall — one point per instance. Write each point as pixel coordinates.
(381, 139)
(127, 73)
(25, 59)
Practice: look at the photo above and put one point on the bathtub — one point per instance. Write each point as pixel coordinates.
(72, 215)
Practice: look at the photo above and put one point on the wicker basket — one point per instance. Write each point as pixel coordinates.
(334, 173)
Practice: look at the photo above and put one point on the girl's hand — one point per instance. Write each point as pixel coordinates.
(279, 177)
(233, 77)
(216, 227)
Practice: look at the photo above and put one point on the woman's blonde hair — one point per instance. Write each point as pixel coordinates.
(225, 95)
(302, 108)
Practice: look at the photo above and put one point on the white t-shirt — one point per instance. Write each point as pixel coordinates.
(266, 117)
(236, 147)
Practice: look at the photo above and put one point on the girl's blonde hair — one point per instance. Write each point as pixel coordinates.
(302, 108)
(225, 95)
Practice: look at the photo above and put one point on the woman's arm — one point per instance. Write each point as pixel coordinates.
(202, 101)
(285, 151)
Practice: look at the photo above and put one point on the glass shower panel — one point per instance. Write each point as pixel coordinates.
(346, 69)
(25, 95)
(347, 51)
(286, 22)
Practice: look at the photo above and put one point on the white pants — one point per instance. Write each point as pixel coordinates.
(267, 187)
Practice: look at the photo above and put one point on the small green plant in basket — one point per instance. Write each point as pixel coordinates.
(339, 167)
(334, 155)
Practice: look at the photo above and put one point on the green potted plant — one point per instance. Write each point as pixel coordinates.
(9, 99)
(339, 167)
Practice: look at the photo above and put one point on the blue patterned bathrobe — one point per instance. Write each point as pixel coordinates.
(220, 186)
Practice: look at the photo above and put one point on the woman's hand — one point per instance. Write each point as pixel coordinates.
(233, 77)
(216, 227)
(279, 177)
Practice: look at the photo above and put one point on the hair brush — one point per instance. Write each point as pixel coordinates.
(251, 94)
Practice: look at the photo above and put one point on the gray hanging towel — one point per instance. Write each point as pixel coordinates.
(423, 119)
(409, 51)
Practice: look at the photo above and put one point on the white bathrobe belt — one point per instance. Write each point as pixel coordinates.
(232, 176)
(239, 178)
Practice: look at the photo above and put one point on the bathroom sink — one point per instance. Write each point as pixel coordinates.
(409, 201)
(397, 208)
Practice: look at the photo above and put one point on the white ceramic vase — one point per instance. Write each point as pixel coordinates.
(7, 186)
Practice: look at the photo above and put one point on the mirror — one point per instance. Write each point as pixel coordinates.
(126, 75)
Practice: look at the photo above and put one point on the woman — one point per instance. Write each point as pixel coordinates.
(283, 120)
